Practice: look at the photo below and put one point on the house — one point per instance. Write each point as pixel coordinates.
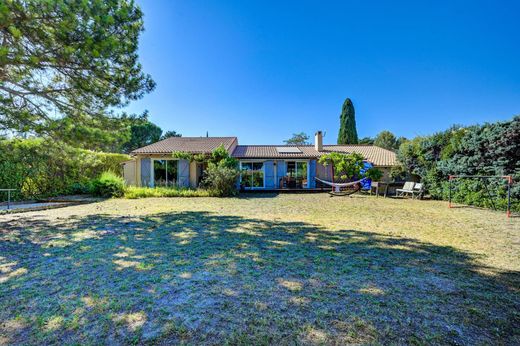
(265, 167)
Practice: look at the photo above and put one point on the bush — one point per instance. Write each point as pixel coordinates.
(221, 180)
(373, 174)
(108, 185)
(133, 192)
(489, 149)
(82, 188)
(39, 167)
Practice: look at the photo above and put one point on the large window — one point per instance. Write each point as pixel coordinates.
(165, 172)
(252, 174)
(297, 169)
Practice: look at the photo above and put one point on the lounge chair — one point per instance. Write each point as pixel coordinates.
(406, 190)
(418, 190)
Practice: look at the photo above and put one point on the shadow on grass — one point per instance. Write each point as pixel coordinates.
(198, 277)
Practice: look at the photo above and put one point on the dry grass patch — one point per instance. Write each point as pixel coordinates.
(260, 269)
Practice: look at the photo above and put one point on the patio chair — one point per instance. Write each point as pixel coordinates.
(418, 191)
(406, 190)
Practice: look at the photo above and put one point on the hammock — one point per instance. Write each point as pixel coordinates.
(337, 187)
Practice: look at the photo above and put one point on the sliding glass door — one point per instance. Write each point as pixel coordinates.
(165, 172)
(252, 174)
(297, 169)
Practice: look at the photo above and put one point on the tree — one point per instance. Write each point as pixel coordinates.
(142, 132)
(170, 133)
(75, 58)
(366, 141)
(346, 166)
(298, 139)
(347, 130)
(386, 139)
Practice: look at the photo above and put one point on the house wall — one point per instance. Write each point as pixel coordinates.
(193, 174)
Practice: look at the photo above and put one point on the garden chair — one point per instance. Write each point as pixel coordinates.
(406, 190)
(418, 191)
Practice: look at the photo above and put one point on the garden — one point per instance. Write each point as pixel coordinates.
(262, 269)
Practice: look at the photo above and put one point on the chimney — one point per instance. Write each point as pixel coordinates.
(318, 141)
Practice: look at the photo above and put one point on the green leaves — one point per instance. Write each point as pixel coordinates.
(75, 59)
(346, 166)
(347, 131)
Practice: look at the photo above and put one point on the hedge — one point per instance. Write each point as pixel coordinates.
(39, 167)
(489, 149)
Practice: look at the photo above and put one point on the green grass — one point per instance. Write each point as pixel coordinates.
(260, 269)
(132, 192)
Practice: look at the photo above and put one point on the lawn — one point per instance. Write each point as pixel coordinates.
(260, 269)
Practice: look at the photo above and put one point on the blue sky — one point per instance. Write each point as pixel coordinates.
(263, 70)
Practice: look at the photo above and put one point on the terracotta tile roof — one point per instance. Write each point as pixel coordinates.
(378, 156)
(193, 145)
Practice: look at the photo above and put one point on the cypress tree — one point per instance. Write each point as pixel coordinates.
(347, 130)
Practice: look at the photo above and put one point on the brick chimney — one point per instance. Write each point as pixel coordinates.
(318, 141)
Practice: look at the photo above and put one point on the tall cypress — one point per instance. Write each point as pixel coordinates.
(347, 130)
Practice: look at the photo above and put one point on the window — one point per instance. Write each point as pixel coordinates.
(165, 172)
(252, 174)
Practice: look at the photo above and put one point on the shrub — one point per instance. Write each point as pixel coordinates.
(133, 192)
(81, 188)
(489, 149)
(39, 167)
(373, 174)
(221, 180)
(109, 185)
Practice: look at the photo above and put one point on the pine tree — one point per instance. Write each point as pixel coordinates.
(347, 131)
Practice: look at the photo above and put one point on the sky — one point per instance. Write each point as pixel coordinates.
(263, 70)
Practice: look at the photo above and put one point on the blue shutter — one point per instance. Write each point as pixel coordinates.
(269, 174)
(146, 179)
(312, 174)
(281, 170)
(183, 169)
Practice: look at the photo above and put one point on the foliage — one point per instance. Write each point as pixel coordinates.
(132, 192)
(346, 166)
(220, 157)
(386, 139)
(108, 184)
(347, 131)
(81, 188)
(183, 155)
(366, 141)
(398, 173)
(169, 134)
(221, 173)
(41, 167)
(76, 59)
(489, 149)
(221, 179)
(142, 132)
(300, 138)
(373, 174)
